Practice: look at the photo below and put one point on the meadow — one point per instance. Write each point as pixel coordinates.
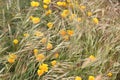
(59, 40)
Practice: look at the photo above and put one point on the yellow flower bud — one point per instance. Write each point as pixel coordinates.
(89, 13)
(15, 41)
(35, 4)
(48, 12)
(45, 6)
(35, 20)
(78, 78)
(70, 32)
(50, 25)
(47, 1)
(54, 63)
(40, 72)
(92, 58)
(91, 78)
(40, 57)
(95, 20)
(109, 74)
(49, 46)
(43, 40)
(43, 67)
(11, 60)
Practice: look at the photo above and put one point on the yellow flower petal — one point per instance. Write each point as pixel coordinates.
(89, 13)
(78, 78)
(15, 41)
(48, 12)
(53, 62)
(62, 32)
(109, 74)
(43, 67)
(45, 6)
(35, 51)
(70, 32)
(82, 7)
(91, 78)
(25, 34)
(40, 72)
(50, 24)
(92, 58)
(11, 60)
(95, 20)
(49, 46)
(43, 40)
(46, 1)
(40, 57)
(65, 13)
(35, 4)
(35, 20)
(12, 56)
(38, 34)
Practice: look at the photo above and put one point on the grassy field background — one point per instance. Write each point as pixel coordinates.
(59, 40)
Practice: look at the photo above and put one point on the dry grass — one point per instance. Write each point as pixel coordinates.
(101, 41)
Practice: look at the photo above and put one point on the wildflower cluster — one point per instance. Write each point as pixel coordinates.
(42, 69)
(58, 39)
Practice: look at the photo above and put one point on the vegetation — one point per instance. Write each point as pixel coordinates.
(59, 40)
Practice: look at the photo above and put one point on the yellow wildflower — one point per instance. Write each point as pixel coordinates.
(47, 1)
(109, 74)
(89, 13)
(64, 4)
(82, 7)
(12, 56)
(78, 78)
(35, 20)
(59, 3)
(35, 51)
(91, 78)
(92, 58)
(49, 46)
(40, 57)
(65, 13)
(95, 20)
(25, 34)
(43, 40)
(38, 33)
(72, 17)
(15, 41)
(40, 72)
(43, 67)
(50, 24)
(62, 32)
(45, 6)
(70, 32)
(11, 60)
(35, 4)
(79, 19)
(48, 12)
(53, 62)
